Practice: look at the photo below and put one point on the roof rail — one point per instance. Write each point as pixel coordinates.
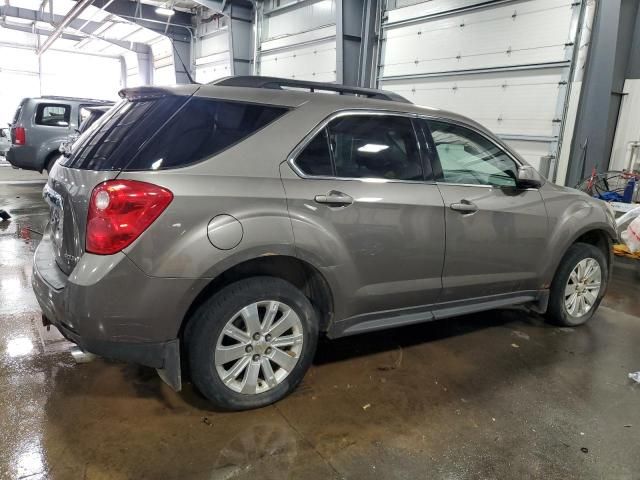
(77, 99)
(254, 81)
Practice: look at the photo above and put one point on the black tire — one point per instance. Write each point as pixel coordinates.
(51, 161)
(557, 311)
(206, 326)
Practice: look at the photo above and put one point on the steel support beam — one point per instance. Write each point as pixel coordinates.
(349, 31)
(240, 38)
(90, 27)
(75, 11)
(178, 27)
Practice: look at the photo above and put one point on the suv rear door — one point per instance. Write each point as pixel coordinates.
(362, 211)
(496, 232)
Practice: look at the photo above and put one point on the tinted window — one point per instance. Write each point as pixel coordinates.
(16, 116)
(203, 128)
(375, 147)
(315, 159)
(119, 135)
(469, 158)
(53, 115)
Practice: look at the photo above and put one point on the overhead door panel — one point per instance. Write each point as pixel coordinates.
(503, 64)
(298, 41)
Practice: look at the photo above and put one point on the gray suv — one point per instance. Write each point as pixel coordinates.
(40, 125)
(218, 230)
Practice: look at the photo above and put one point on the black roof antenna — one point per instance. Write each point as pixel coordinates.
(184, 67)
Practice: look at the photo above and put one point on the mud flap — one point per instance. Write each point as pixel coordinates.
(171, 373)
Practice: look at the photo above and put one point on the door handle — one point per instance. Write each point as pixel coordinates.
(334, 199)
(464, 206)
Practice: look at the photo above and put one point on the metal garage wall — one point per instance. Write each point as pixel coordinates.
(297, 39)
(504, 63)
(212, 50)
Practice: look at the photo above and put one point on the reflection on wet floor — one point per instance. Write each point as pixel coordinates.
(496, 395)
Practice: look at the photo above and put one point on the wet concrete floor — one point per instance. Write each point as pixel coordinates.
(496, 395)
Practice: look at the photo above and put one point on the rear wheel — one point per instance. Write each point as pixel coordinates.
(250, 344)
(579, 285)
(51, 161)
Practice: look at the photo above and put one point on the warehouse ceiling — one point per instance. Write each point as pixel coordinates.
(97, 29)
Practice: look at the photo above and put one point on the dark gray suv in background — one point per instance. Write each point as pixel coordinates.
(40, 125)
(221, 228)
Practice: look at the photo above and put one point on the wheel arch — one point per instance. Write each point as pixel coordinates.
(298, 272)
(600, 237)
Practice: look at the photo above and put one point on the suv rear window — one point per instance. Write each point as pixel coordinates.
(168, 132)
(53, 114)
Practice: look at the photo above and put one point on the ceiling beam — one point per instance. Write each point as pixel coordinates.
(178, 27)
(71, 15)
(38, 31)
(36, 16)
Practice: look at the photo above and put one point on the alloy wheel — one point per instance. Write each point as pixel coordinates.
(583, 287)
(259, 347)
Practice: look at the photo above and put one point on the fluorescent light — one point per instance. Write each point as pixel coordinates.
(372, 148)
(167, 12)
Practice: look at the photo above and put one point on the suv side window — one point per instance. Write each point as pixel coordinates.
(376, 146)
(363, 146)
(315, 159)
(466, 157)
(53, 114)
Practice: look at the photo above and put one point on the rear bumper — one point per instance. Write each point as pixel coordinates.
(24, 157)
(107, 306)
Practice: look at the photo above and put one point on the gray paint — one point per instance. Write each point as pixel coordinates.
(390, 250)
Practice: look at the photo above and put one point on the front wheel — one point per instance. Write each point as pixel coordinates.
(251, 343)
(578, 286)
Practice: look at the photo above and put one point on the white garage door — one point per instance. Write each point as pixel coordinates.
(505, 64)
(298, 40)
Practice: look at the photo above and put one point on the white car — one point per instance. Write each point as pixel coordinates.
(5, 142)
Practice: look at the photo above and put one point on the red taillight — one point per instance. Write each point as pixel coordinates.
(119, 211)
(19, 136)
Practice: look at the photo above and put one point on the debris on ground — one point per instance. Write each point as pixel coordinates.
(364, 407)
(584, 450)
(635, 376)
(397, 364)
(206, 421)
(515, 345)
(520, 334)
(4, 215)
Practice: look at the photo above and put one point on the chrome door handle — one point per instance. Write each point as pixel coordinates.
(464, 206)
(334, 199)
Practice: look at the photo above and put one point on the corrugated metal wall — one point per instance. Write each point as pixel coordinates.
(504, 64)
(297, 40)
(212, 50)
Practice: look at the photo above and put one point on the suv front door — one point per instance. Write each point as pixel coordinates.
(495, 231)
(362, 212)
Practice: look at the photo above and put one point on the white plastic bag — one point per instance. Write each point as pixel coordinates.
(631, 236)
(629, 229)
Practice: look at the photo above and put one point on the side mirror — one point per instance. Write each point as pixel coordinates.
(528, 177)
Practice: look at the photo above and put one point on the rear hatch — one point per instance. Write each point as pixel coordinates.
(150, 129)
(100, 154)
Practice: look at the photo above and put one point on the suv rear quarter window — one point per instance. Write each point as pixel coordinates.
(201, 129)
(53, 114)
(169, 132)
